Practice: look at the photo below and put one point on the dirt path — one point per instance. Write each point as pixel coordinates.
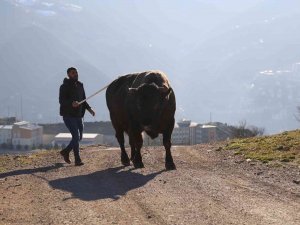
(208, 187)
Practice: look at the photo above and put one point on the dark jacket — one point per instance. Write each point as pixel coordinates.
(71, 91)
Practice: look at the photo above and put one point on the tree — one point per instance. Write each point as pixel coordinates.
(4, 146)
(56, 146)
(242, 131)
(257, 131)
(297, 116)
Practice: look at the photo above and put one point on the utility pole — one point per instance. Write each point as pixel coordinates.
(21, 107)
(210, 117)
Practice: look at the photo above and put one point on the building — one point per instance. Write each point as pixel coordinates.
(148, 141)
(187, 132)
(208, 134)
(182, 132)
(5, 134)
(26, 135)
(63, 139)
(7, 120)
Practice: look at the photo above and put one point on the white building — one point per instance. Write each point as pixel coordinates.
(63, 139)
(5, 134)
(187, 132)
(25, 134)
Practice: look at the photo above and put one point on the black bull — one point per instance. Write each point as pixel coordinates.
(142, 102)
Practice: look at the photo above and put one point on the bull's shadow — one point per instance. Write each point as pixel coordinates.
(110, 183)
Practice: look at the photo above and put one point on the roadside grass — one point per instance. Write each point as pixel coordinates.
(283, 148)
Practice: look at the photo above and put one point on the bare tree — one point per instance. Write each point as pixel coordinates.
(242, 131)
(297, 116)
(257, 131)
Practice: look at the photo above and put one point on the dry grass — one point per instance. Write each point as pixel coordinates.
(284, 147)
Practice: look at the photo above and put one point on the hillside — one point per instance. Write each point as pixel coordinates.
(273, 149)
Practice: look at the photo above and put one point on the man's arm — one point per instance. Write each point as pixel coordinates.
(87, 106)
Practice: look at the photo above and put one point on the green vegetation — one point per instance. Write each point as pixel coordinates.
(284, 147)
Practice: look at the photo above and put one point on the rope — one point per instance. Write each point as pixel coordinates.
(135, 80)
(102, 89)
(97, 92)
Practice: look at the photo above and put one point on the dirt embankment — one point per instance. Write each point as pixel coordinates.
(208, 187)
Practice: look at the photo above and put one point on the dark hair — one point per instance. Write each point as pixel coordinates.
(70, 69)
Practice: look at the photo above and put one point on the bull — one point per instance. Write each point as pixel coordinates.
(142, 102)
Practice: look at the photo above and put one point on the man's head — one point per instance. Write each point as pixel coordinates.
(72, 73)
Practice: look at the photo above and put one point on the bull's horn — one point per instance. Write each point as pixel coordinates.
(164, 89)
(131, 90)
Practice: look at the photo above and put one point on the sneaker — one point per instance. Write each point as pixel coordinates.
(65, 155)
(79, 163)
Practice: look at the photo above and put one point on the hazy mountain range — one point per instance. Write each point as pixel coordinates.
(234, 59)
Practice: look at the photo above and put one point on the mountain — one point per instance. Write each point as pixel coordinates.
(215, 50)
(231, 59)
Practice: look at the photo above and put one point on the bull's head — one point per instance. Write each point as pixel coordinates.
(149, 99)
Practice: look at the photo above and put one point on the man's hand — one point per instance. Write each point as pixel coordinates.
(92, 112)
(75, 104)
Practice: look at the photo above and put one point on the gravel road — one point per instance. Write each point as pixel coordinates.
(208, 187)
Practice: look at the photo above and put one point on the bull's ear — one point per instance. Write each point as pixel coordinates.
(131, 90)
(164, 91)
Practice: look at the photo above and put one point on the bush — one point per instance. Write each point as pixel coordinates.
(56, 146)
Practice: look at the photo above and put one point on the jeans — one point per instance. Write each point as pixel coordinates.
(75, 126)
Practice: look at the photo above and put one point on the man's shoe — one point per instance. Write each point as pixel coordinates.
(79, 163)
(65, 155)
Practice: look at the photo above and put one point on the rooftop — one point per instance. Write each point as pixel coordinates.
(21, 123)
(27, 125)
(6, 127)
(85, 135)
(208, 126)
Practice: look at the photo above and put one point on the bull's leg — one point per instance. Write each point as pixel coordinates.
(138, 143)
(132, 152)
(169, 164)
(124, 157)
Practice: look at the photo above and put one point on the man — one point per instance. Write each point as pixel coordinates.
(70, 93)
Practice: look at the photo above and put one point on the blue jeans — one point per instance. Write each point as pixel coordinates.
(75, 126)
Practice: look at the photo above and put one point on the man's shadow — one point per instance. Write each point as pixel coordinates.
(110, 183)
(31, 171)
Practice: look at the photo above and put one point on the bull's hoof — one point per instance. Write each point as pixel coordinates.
(138, 165)
(132, 158)
(125, 161)
(170, 166)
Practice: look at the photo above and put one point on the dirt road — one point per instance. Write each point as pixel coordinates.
(208, 187)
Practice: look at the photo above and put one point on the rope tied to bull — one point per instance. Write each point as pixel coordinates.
(97, 92)
(102, 89)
